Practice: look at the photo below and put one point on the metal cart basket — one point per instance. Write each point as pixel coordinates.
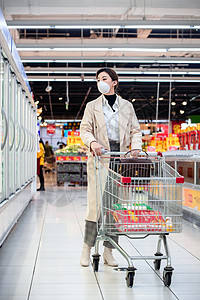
(137, 207)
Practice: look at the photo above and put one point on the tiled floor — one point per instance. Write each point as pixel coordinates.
(40, 258)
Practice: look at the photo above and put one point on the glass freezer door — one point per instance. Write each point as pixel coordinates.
(4, 184)
(12, 132)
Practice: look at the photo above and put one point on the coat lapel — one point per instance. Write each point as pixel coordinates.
(98, 111)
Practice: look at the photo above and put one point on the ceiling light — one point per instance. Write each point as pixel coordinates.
(161, 98)
(37, 102)
(68, 71)
(184, 102)
(184, 49)
(122, 49)
(60, 98)
(133, 100)
(116, 60)
(158, 79)
(93, 49)
(182, 112)
(48, 88)
(107, 26)
(173, 103)
(62, 61)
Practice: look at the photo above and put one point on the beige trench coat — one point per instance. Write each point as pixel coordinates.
(93, 128)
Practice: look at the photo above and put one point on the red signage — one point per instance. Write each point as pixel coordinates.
(51, 129)
(71, 158)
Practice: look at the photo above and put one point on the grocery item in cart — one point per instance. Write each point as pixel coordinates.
(132, 206)
(138, 220)
(169, 225)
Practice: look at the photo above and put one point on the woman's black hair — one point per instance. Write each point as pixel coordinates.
(41, 141)
(113, 75)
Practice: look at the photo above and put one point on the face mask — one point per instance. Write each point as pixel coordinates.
(103, 87)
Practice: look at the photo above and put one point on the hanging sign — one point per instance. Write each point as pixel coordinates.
(51, 129)
(72, 126)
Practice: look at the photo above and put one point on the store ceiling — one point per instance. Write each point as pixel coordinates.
(142, 57)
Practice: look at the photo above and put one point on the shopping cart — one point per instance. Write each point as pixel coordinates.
(137, 207)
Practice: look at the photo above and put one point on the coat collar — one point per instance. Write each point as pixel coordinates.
(124, 112)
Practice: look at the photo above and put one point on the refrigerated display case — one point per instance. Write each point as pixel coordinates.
(18, 137)
(187, 163)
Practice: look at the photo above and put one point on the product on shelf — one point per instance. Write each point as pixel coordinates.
(72, 150)
(189, 138)
(163, 143)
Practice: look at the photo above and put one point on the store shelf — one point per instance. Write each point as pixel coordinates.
(71, 169)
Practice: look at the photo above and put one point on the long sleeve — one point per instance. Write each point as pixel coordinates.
(135, 131)
(87, 127)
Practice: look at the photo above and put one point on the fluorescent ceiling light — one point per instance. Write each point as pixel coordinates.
(99, 26)
(120, 80)
(155, 61)
(118, 72)
(184, 49)
(173, 103)
(61, 79)
(111, 61)
(93, 49)
(62, 61)
(184, 102)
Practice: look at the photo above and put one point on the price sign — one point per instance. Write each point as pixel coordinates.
(51, 129)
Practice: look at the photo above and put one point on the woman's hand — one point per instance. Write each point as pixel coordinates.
(135, 153)
(96, 148)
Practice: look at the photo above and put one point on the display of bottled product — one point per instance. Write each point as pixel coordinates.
(189, 138)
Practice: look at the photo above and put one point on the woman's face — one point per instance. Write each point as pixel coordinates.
(103, 76)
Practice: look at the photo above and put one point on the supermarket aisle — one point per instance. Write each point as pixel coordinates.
(40, 258)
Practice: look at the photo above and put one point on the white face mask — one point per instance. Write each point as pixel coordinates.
(103, 87)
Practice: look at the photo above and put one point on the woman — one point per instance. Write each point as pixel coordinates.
(40, 164)
(109, 122)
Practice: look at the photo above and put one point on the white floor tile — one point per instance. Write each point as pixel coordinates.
(42, 254)
(66, 297)
(65, 289)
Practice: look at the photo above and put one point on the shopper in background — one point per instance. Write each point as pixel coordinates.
(40, 164)
(109, 122)
(49, 155)
(48, 150)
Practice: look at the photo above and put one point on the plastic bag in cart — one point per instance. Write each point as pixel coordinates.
(138, 220)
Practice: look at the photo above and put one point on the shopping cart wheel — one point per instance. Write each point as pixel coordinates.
(95, 263)
(167, 275)
(130, 276)
(167, 278)
(157, 263)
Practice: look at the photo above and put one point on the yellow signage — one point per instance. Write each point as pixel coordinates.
(192, 198)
